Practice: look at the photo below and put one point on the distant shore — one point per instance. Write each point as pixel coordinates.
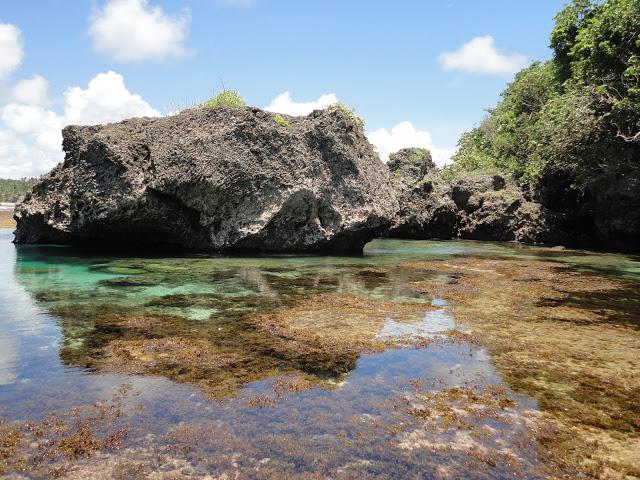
(6, 215)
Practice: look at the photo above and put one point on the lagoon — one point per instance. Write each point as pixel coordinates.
(418, 359)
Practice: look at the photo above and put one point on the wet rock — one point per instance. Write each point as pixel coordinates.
(214, 179)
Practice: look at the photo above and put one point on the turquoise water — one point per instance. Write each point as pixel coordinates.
(264, 367)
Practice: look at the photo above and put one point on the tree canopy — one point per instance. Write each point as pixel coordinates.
(575, 115)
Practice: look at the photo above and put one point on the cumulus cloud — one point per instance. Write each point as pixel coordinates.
(481, 56)
(31, 91)
(134, 31)
(386, 141)
(29, 119)
(283, 103)
(10, 48)
(405, 135)
(30, 134)
(106, 99)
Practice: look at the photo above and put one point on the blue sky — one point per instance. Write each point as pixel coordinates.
(386, 59)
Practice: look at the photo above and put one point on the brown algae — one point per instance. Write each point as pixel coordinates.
(335, 367)
(569, 339)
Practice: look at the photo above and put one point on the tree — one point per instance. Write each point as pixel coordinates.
(577, 115)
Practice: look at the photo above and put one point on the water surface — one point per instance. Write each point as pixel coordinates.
(263, 367)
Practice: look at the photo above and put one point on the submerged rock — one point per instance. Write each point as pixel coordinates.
(473, 207)
(214, 179)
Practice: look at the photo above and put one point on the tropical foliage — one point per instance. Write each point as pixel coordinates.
(576, 115)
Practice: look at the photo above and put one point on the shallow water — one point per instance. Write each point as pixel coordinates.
(265, 367)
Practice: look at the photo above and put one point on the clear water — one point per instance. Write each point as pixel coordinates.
(64, 311)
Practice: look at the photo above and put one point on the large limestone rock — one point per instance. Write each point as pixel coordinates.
(473, 207)
(490, 209)
(426, 208)
(214, 179)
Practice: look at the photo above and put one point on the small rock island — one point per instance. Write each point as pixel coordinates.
(218, 179)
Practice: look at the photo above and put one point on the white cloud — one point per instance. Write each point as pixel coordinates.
(106, 99)
(10, 48)
(386, 141)
(30, 134)
(134, 31)
(31, 91)
(480, 55)
(283, 103)
(405, 135)
(29, 119)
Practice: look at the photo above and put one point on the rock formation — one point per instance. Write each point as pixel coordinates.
(214, 179)
(426, 208)
(472, 207)
(490, 209)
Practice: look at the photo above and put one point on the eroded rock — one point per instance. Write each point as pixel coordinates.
(426, 208)
(484, 207)
(214, 179)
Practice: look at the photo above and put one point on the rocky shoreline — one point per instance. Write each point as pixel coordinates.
(240, 180)
(485, 207)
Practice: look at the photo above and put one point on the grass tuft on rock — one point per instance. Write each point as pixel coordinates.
(351, 113)
(225, 99)
(280, 120)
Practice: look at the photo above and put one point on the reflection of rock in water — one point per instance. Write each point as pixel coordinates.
(568, 338)
(219, 324)
(322, 335)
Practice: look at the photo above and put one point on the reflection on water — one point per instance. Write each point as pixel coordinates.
(434, 323)
(340, 367)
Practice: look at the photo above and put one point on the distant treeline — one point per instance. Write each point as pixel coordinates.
(11, 190)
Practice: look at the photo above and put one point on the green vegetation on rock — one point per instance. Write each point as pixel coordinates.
(575, 117)
(225, 99)
(351, 113)
(280, 120)
(11, 190)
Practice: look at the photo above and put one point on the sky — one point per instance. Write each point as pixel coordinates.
(419, 73)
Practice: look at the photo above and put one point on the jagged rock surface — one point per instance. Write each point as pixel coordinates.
(214, 179)
(426, 208)
(473, 207)
(489, 209)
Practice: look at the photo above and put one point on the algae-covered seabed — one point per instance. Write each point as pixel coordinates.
(416, 360)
